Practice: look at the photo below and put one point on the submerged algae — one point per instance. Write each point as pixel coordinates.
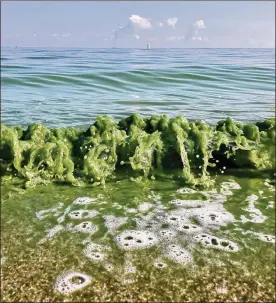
(41, 155)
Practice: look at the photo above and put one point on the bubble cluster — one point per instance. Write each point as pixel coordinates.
(136, 239)
(188, 203)
(177, 254)
(159, 264)
(255, 214)
(167, 234)
(85, 227)
(267, 238)
(186, 190)
(94, 252)
(70, 282)
(112, 222)
(215, 242)
(189, 228)
(145, 206)
(84, 200)
(82, 214)
(230, 185)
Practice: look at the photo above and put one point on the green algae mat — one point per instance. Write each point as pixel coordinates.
(146, 209)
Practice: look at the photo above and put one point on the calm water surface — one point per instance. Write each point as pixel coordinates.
(62, 87)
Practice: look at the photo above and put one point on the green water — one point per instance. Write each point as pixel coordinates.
(30, 269)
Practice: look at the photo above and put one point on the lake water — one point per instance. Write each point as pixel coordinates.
(62, 87)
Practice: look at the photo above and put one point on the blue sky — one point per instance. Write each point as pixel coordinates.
(133, 24)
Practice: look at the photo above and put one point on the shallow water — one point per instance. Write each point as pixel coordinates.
(33, 266)
(37, 85)
(42, 231)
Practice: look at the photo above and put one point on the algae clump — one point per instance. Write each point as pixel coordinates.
(74, 155)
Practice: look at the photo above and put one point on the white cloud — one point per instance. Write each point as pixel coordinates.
(55, 35)
(194, 31)
(172, 21)
(34, 35)
(175, 38)
(137, 37)
(140, 22)
(66, 35)
(160, 24)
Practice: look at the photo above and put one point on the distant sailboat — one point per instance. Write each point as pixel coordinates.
(148, 46)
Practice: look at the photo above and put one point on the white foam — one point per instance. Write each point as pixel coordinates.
(176, 220)
(136, 239)
(94, 252)
(189, 228)
(84, 227)
(159, 264)
(51, 233)
(131, 210)
(230, 185)
(177, 254)
(270, 204)
(215, 242)
(262, 237)
(167, 234)
(66, 285)
(148, 224)
(42, 214)
(112, 222)
(186, 190)
(188, 203)
(62, 218)
(255, 214)
(83, 214)
(84, 200)
(145, 206)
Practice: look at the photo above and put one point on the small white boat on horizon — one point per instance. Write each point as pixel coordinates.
(148, 46)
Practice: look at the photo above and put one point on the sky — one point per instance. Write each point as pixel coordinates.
(133, 24)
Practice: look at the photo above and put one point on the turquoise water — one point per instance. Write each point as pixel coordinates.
(71, 87)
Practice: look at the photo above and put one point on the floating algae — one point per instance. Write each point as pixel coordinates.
(147, 145)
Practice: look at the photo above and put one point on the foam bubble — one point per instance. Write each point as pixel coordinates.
(159, 264)
(131, 210)
(70, 282)
(112, 222)
(213, 218)
(270, 204)
(85, 227)
(267, 238)
(214, 242)
(83, 214)
(189, 228)
(148, 224)
(176, 220)
(167, 234)
(186, 190)
(108, 266)
(84, 200)
(177, 254)
(255, 214)
(230, 185)
(94, 252)
(145, 206)
(51, 233)
(188, 203)
(133, 239)
(262, 237)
